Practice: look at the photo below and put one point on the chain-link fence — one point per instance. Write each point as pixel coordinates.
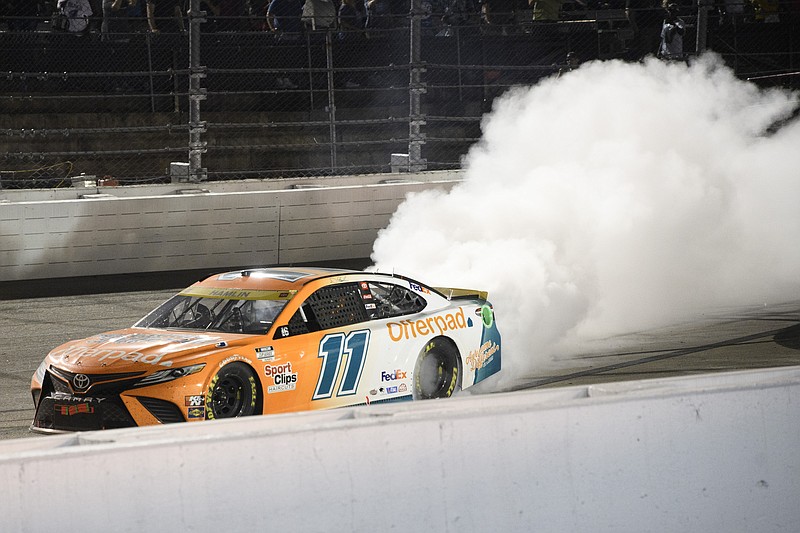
(206, 91)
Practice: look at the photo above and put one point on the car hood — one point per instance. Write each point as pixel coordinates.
(138, 349)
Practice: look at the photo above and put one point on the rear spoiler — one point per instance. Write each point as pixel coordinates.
(451, 293)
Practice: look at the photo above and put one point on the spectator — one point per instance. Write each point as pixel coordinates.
(257, 13)
(644, 17)
(351, 26)
(116, 16)
(766, 10)
(379, 16)
(165, 16)
(212, 11)
(23, 14)
(545, 10)
(672, 35)
(231, 15)
(350, 21)
(457, 13)
(284, 18)
(572, 63)
(498, 15)
(319, 14)
(77, 13)
(733, 11)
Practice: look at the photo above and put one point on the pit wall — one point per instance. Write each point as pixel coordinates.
(88, 231)
(714, 453)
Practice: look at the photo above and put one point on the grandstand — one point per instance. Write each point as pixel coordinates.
(120, 108)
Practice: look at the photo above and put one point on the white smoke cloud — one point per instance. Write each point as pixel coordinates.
(618, 197)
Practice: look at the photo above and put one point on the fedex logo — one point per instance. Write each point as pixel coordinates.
(419, 288)
(397, 374)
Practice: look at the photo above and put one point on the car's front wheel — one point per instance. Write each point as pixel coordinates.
(436, 374)
(233, 392)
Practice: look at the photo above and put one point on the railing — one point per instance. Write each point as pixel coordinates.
(239, 102)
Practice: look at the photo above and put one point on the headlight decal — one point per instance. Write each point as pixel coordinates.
(163, 376)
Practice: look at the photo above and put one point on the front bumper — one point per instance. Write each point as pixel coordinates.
(107, 405)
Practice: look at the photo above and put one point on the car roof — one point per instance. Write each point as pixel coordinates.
(276, 278)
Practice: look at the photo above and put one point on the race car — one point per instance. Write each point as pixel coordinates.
(271, 340)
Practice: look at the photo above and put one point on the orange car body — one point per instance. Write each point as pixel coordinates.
(293, 339)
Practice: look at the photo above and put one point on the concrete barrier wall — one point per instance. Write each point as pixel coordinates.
(96, 231)
(716, 453)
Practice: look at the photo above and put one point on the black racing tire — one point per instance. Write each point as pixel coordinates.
(233, 391)
(437, 373)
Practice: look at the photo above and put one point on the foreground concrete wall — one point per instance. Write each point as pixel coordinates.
(117, 230)
(716, 453)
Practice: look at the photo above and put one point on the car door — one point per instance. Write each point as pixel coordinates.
(320, 353)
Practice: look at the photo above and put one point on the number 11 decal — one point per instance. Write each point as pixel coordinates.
(331, 348)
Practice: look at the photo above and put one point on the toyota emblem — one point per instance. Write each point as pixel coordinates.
(80, 382)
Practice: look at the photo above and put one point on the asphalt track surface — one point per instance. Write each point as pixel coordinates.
(734, 339)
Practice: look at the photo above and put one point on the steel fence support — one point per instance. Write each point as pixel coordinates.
(331, 99)
(196, 95)
(416, 138)
(702, 26)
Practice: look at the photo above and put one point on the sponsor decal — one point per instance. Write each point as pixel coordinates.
(391, 390)
(273, 370)
(373, 392)
(394, 375)
(108, 355)
(283, 378)
(194, 401)
(74, 409)
(435, 325)
(81, 382)
(402, 388)
(364, 286)
(64, 397)
(487, 315)
(370, 306)
(266, 353)
(478, 358)
(196, 413)
(150, 338)
(419, 288)
(231, 359)
(221, 344)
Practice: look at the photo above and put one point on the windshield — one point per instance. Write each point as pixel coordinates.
(217, 314)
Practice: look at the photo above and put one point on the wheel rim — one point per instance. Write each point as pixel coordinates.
(434, 376)
(227, 398)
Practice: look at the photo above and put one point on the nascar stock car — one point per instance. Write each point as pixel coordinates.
(271, 340)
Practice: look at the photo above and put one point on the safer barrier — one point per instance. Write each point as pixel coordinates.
(91, 231)
(703, 453)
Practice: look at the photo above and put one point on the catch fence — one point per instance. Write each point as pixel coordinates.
(224, 99)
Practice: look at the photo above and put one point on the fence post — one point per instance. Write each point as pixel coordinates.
(196, 94)
(331, 99)
(416, 138)
(702, 26)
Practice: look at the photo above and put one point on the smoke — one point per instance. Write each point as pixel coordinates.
(616, 198)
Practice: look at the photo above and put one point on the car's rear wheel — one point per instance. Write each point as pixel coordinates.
(233, 392)
(437, 373)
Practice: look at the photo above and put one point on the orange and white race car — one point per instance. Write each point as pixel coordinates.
(271, 340)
